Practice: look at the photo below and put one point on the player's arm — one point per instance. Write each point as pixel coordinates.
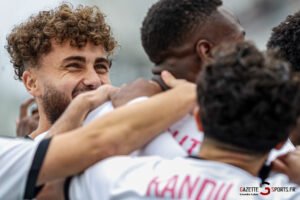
(119, 132)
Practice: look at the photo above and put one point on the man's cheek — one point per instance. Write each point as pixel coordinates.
(105, 79)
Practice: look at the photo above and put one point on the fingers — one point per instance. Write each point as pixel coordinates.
(279, 166)
(170, 80)
(112, 92)
(99, 96)
(24, 108)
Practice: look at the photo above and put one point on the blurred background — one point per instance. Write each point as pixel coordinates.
(125, 17)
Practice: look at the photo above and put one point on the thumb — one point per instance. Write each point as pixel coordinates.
(169, 79)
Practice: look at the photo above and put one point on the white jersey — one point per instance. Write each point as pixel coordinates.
(98, 112)
(19, 167)
(127, 178)
(187, 139)
(181, 139)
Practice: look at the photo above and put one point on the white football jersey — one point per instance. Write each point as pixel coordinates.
(187, 139)
(20, 164)
(98, 112)
(127, 178)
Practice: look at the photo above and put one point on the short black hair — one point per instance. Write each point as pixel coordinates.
(169, 22)
(286, 38)
(248, 99)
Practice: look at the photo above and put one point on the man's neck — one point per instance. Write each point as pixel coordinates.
(250, 163)
(44, 125)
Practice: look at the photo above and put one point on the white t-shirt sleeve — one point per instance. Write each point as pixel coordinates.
(20, 165)
(98, 112)
(182, 139)
(41, 136)
(163, 145)
(139, 99)
(106, 108)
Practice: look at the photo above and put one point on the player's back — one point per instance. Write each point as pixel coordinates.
(156, 178)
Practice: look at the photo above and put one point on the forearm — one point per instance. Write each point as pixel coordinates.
(119, 132)
(68, 154)
(127, 132)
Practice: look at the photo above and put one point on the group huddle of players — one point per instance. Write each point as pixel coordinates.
(236, 143)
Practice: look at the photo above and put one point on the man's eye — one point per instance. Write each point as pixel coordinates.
(73, 65)
(101, 68)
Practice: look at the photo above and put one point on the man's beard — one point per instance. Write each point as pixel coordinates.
(54, 103)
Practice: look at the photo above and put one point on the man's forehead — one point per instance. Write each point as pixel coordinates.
(88, 50)
(60, 51)
(223, 25)
(228, 14)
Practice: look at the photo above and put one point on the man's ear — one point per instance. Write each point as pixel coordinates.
(30, 81)
(280, 145)
(203, 49)
(197, 117)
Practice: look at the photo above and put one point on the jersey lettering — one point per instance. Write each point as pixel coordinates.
(177, 187)
(186, 141)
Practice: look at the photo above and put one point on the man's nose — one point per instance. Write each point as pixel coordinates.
(92, 79)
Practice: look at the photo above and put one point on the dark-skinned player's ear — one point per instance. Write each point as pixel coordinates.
(203, 50)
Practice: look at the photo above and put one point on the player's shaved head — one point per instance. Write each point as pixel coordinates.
(178, 36)
(248, 99)
(169, 23)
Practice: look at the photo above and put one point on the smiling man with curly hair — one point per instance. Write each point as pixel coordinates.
(59, 54)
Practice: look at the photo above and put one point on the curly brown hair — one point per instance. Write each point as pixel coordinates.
(248, 99)
(31, 39)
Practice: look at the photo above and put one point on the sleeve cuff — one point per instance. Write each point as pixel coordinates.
(30, 189)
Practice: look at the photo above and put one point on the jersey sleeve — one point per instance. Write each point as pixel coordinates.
(21, 161)
(98, 112)
(30, 189)
(138, 99)
(41, 136)
(170, 148)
